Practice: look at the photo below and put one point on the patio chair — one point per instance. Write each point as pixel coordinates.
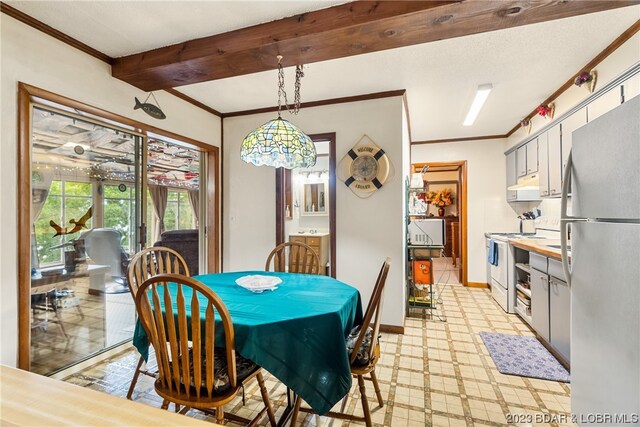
(192, 371)
(365, 352)
(148, 263)
(294, 257)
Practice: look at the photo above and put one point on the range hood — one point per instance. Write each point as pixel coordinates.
(527, 182)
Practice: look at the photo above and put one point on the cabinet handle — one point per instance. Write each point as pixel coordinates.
(541, 277)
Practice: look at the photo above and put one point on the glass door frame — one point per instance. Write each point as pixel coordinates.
(30, 96)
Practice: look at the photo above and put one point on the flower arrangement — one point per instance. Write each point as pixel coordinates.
(546, 110)
(441, 198)
(586, 78)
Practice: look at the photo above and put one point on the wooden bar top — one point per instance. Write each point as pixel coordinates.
(539, 246)
(28, 399)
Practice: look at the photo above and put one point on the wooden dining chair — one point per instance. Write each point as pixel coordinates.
(147, 263)
(358, 370)
(192, 371)
(298, 257)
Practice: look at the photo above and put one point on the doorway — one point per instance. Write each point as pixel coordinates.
(306, 203)
(443, 177)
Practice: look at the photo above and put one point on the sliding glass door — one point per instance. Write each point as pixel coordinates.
(93, 206)
(84, 211)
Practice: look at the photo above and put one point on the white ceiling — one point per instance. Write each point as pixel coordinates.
(524, 64)
(119, 28)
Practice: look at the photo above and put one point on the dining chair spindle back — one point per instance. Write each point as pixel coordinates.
(178, 314)
(294, 257)
(148, 263)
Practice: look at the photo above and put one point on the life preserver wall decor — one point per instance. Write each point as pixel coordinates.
(365, 168)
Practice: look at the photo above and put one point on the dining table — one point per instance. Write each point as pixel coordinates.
(296, 332)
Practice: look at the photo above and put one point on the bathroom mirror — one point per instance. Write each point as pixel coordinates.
(314, 200)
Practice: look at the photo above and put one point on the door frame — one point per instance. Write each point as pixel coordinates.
(281, 199)
(462, 197)
(29, 95)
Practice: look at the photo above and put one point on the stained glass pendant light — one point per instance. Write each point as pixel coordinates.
(279, 143)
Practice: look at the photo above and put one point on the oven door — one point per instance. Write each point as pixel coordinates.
(499, 272)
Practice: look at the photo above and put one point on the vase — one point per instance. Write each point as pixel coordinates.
(440, 211)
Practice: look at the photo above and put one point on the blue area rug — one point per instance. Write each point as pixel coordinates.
(524, 356)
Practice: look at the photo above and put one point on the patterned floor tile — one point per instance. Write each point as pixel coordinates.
(437, 373)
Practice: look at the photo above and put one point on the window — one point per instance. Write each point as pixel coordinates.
(66, 200)
(179, 214)
(119, 212)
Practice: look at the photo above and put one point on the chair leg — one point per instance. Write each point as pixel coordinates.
(296, 411)
(134, 380)
(165, 404)
(376, 386)
(345, 399)
(365, 403)
(219, 415)
(265, 399)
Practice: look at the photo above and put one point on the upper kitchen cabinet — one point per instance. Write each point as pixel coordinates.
(514, 160)
(521, 161)
(543, 164)
(527, 158)
(604, 103)
(532, 156)
(512, 177)
(571, 123)
(631, 87)
(554, 161)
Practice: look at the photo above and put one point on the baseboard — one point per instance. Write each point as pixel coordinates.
(392, 329)
(477, 285)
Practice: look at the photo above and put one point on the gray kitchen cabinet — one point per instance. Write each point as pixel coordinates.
(521, 161)
(560, 316)
(512, 178)
(540, 303)
(631, 87)
(543, 164)
(532, 156)
(571, 123)
(554, 161)
(604, 103)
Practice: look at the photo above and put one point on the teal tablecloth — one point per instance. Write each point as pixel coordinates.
(296, 332)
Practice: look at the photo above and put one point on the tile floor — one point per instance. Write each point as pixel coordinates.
(85, 325)
(437, 374)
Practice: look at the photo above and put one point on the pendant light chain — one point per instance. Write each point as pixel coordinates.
(282, 92)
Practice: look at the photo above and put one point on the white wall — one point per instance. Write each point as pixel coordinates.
(620, 60)
(368, 230)
(34, 58)
(487, 208)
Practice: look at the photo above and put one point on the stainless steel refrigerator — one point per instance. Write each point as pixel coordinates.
(604, 274)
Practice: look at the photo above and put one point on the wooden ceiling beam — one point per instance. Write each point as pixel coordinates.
(336, 32)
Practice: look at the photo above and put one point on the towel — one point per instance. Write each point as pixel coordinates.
(493, 252)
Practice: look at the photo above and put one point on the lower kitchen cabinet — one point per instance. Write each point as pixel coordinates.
(560, 316)
(540, 303)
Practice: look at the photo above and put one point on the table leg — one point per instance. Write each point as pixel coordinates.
(288, 411)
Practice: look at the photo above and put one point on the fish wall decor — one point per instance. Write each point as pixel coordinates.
(153, 110)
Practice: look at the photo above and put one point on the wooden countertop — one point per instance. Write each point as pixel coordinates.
(539, 246)
(28, 399)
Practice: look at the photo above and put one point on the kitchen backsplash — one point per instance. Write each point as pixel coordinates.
(550, 219)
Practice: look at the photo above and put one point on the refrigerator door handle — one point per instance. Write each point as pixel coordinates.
(565, 220)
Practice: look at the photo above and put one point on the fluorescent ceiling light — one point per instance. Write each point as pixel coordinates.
(478, 102)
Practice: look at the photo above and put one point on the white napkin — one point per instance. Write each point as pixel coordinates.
(257, 283)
